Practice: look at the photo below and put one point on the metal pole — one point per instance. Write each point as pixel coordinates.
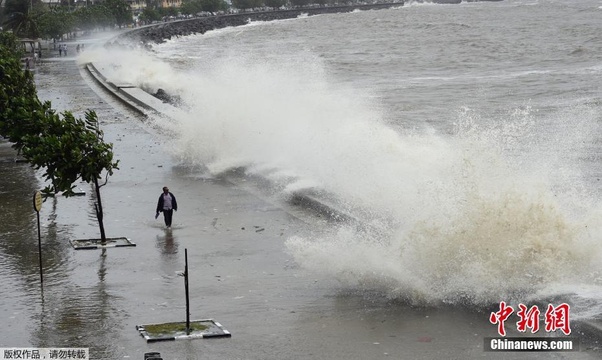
(37, 206)
(186, 286)
(40, 248)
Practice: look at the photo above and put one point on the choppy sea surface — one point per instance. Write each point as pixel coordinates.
(464, 138)
(461, 142)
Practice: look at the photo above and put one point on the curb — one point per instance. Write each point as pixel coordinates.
(214, 330)
(100, 79)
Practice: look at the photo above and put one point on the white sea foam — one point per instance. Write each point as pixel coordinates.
(491, 212)
(484, 226)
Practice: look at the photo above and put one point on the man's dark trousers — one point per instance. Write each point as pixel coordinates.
(167, 214)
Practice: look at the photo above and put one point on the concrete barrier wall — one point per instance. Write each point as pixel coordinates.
(160, 32)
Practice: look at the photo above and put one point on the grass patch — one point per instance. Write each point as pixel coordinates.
(173, 328)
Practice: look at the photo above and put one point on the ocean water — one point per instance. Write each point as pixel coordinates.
(464, 140)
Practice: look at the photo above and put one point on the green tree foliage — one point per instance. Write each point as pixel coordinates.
(300, 3)
(191, 7)
(85, 18)
(153, 4)
(68, 3)
(149, 15)
(56, 22)
(213, 6)
(94, 17)
(20, 18)
(69, 149)
(19, 105)
(168, 11)
(120, 10)
(275, 4)
(247, 4)
(66, 148)
(103, 18)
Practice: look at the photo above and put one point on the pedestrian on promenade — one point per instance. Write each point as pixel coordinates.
(167, 204)
(60, 50)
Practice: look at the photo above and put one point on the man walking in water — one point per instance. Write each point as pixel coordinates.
(167, 204)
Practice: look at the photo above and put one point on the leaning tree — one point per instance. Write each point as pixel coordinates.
(66, 148)
(69, 149)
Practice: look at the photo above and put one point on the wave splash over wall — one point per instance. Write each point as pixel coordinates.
(488, 213)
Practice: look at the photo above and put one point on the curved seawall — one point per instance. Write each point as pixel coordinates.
(157, 33)
(145, 103)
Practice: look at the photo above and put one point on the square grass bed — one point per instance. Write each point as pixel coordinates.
(199, 329)
(89, 244)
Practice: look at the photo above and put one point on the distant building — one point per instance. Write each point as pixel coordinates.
(136, 5)
(171, 3)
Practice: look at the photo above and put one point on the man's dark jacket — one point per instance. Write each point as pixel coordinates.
(174, 203)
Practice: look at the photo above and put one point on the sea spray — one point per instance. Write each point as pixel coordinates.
(489, 229)
(477, 216)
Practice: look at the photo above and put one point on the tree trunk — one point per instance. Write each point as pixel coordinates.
(99, 214)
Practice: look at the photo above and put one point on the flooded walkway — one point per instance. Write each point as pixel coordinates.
(240, 272)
